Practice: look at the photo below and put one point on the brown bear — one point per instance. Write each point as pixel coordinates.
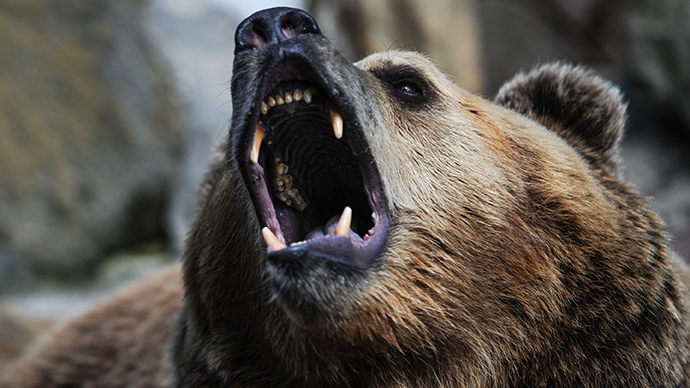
(373, 225)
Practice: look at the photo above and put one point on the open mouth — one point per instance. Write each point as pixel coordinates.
(313, 181)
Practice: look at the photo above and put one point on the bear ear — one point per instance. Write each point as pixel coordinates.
(585, 110)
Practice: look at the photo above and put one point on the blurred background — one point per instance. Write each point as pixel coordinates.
(110, 111)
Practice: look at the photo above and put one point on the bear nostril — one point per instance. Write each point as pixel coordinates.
(258, 36)
(296, 23)
(273, 25)
(290, 30)
(251, 34)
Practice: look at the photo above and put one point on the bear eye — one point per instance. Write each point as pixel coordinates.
(407, 85)
(409, 88)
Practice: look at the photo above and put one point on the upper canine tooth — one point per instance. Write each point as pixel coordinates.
(297, 95)
(308, 94)
(264, 107)
(271, 239)
(343, 227)
(258, 138)
(279, 100)
(288, 98)
(271, 102)
(336, 121)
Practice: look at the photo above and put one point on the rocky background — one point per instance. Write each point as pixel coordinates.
(109, 111)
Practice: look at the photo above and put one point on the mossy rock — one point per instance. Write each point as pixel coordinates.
(89, 129)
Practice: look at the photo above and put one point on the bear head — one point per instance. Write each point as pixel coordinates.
(486, 243)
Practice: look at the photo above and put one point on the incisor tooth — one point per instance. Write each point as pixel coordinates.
(308, 94)
(271, 239)
(343, 227)
(271, 102)
(297, 94)
(258, 138)
(288, 98)
(336, 121)
(279, 100)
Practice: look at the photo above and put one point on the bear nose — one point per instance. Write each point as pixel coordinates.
(273, 25)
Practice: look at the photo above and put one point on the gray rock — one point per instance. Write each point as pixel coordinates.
(90, 132)
(197, 41)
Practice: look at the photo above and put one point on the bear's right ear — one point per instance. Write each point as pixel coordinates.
(588, 112)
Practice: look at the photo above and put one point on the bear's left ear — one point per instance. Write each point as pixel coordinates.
(588, 112)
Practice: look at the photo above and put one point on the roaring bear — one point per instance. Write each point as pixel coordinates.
(374, 225)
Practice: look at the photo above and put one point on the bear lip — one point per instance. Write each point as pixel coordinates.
(361, 247)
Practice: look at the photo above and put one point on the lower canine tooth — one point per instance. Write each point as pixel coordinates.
(258, 138)
(271, 239)
(343, 227)
(264, 108)
(336, 121)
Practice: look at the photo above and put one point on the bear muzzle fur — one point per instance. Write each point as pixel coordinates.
(300, 119)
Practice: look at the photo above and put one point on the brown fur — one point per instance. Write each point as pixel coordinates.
(122, 343)
(516, 257)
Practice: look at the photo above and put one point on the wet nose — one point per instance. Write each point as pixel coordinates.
(273, 25)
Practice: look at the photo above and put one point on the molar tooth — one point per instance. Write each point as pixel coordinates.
(264, 108)
(258, 138)
(299, 203)
(280, 168)
(288, 98)
(279, 100)
(296, 199)
(343, 227)
(284, 197)
(271, 239)
(291, 196)
(279, 184)
(336, 121)
(271, 102)
(308, 94)
(297, 95)
(283, 182)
